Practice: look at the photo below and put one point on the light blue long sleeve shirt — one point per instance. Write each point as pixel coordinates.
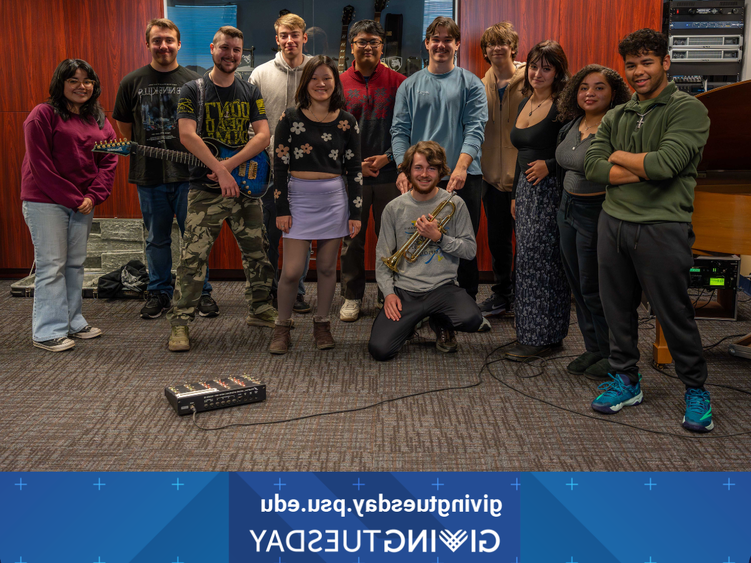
(450, 109)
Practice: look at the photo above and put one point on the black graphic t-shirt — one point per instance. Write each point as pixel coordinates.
(148, 100)
(227, 117)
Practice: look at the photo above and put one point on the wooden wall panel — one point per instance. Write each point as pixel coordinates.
(109, 35)
(588, 30)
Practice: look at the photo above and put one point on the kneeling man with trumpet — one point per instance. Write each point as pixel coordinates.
(424, 234)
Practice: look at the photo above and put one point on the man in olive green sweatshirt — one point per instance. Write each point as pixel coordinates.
(647, 152)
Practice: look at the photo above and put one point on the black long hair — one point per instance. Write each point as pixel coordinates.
(65, 70)
(568, 107)
(337, 100)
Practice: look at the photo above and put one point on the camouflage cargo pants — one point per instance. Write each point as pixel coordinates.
(206, 214)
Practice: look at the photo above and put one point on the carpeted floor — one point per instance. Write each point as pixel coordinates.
(101, 406)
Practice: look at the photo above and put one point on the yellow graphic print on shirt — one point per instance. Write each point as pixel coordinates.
(228, 122)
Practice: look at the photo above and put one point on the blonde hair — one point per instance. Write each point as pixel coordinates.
(292, 21)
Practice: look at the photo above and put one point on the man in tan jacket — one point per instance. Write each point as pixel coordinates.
(503, 85)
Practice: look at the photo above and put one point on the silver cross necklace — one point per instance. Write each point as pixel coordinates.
(643, 115)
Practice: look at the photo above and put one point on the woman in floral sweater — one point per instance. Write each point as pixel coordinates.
(317, 190)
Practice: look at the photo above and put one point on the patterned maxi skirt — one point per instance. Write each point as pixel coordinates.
(543, 297)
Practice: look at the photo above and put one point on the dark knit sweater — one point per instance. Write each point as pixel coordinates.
(332, 147)
(371, 101)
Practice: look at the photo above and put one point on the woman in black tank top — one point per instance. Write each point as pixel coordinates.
(543, 298)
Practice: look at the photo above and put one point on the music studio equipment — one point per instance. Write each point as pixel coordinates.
(705, 43)
(722, 197)
(212, 394)
(418, 241)
(347, 14)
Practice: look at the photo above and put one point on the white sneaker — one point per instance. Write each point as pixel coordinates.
(350, 311)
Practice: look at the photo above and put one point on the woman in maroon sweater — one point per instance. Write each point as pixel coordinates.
(62, 181)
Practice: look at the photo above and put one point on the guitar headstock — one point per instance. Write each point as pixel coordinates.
(120, 147)
(380, 5)
(348, 14)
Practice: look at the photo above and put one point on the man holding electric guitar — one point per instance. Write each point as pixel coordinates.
(222, 108)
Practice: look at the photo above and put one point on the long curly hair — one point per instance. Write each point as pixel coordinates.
(65, 70)
(568, 107)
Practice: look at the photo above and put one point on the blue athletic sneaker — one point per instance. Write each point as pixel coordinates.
(698, 416)
(617, 393)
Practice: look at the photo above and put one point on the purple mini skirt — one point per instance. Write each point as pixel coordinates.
(319, 209)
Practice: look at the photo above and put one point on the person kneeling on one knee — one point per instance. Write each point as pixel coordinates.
(426, 284)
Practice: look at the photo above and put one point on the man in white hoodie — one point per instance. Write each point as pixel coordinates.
(278, 80)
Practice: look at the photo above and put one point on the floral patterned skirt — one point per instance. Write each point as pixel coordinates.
(319, 209)
(543, 297)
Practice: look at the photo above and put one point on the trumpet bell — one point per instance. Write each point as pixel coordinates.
(392, 261)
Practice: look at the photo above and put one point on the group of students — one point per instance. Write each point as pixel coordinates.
(597, 186)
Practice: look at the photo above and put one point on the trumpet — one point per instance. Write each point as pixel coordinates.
(414, 246)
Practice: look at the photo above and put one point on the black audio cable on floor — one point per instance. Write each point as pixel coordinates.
(480, 381)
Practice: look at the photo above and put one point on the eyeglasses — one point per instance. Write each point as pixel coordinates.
(74, 82)
(374, 43)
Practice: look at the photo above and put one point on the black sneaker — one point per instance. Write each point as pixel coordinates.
(495, 305)
(445, 340)
(55, 344)
(207, 307)
(157, 304)
(301, 306)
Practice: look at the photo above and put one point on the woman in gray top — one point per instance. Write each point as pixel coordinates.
(583, 103)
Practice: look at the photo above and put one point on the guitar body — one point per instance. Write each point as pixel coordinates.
(252, 176)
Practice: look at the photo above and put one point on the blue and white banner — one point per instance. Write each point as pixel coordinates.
(375, 517)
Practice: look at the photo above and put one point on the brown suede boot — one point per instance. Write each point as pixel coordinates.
(322, 334)
(280, 340)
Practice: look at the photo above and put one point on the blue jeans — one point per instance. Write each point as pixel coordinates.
(59, 235)
(158, 205)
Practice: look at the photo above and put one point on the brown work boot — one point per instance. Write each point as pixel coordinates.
(445, 340)
(179, 340)
(322, 334)
(280, 340)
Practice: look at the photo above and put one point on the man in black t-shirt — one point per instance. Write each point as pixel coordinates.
(222, 107)
(146, 112)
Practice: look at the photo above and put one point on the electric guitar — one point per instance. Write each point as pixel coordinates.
(347, 16)
(380, 6)
(252, 177)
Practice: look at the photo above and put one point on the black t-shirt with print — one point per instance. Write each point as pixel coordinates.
(148, 100)
(228, 115)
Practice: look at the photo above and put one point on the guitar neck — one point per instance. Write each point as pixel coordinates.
(172, 156)
(342, 65)
(377, 17)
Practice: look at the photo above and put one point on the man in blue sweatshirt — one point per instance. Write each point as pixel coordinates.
(647, 151)
(446, 104)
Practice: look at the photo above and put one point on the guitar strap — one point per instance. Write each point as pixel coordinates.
(201, 83)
